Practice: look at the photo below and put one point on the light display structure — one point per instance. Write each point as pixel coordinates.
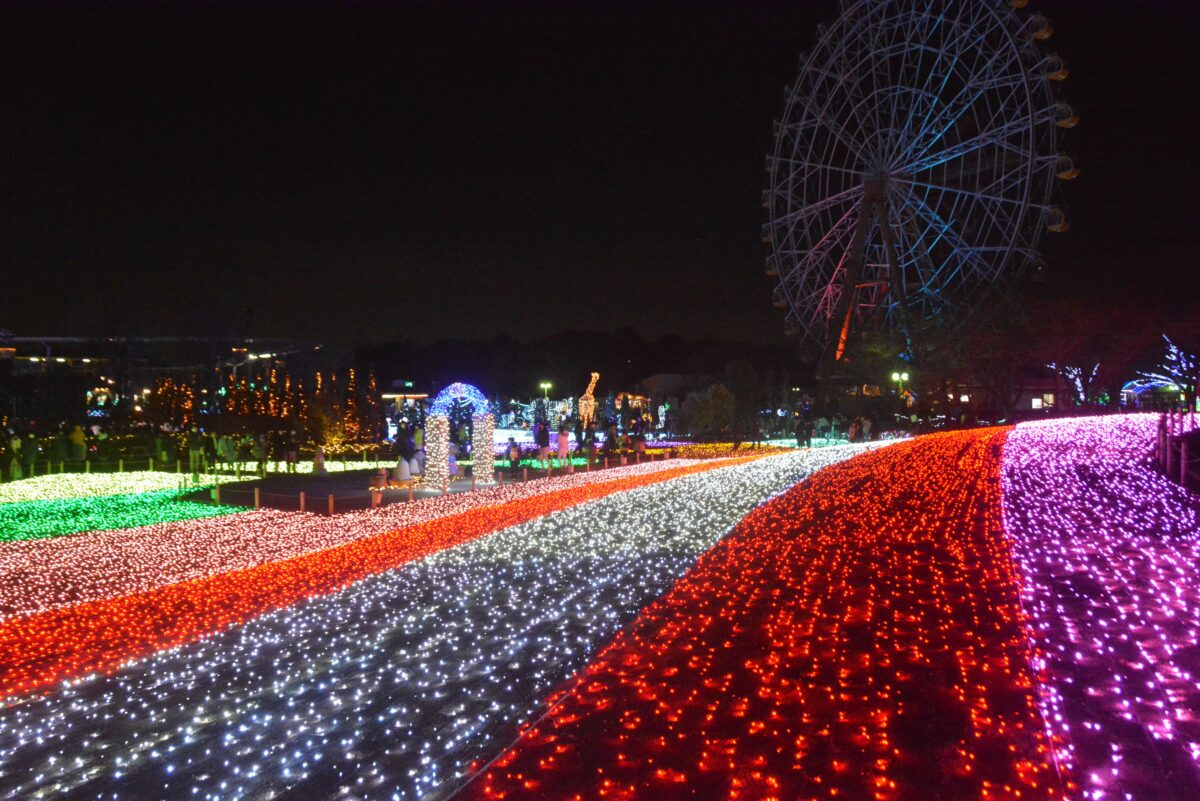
(437, 434)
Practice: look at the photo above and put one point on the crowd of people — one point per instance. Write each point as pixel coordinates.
(228, 451)
(22, 451)
(839, 426)
(547, 444)
(410, 446)
(25, 452)
(588, 442)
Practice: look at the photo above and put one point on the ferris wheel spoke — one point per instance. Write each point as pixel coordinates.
(822, 205)
(997, 76)
(950, 234)
(946, 120)
(1007, 158)
(840, 84)
(964, 192)
(951, 55)
(854, 95)
(804, 268)
(985, 213)
(996, 133)
(875, 29)
(843, 82)
(834, 235)
(910, 251)
(838, 133)
(817, 167)
(918, 52)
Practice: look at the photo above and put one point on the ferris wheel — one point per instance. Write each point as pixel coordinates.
(915, 165)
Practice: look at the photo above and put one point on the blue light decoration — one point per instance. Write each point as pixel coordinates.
(1139, 386)
(456, 393)
(1179, 369)
(1076, 376)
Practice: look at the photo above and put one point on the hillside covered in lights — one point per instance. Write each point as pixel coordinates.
(995, 613)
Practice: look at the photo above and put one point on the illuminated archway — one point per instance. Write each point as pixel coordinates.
(437, 434)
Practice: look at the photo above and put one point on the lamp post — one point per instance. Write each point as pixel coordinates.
(545, 386)
(899, 379)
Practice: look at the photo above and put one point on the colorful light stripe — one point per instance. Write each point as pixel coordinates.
(42, 575)
(859, 637)
(86, 485)
(1109, 551)
(393, 686)
(931, 620)
(40, 519)
(97, 636)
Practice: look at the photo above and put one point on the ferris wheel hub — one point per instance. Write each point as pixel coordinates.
(875, 187)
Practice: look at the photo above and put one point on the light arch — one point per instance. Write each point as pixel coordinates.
(437, 434)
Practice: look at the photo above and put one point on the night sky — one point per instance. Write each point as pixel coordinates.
(367, 172)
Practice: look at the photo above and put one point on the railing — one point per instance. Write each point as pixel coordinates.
(303, 501)
(1174, 452)
(41, 467)
(124, 464)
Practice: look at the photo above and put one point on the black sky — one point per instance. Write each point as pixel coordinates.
(365, 172)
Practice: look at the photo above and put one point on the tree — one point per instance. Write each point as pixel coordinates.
(743, 383)
(710, 411)
(1093, 344)
(1179, 367)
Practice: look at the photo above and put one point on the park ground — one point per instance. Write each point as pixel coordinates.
(996, 613)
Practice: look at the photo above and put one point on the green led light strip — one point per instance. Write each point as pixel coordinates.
(41, 519)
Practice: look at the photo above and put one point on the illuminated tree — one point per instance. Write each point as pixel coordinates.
(1180, 368)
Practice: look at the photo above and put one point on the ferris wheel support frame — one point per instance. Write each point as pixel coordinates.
(873, 205)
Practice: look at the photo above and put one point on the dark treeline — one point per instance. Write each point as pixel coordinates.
(503, 365)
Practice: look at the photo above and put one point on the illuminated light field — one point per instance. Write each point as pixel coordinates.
(715, 450)
(96, 636)
(38, 519)
(395, 685)
(996, 614)
(859, 637)
(42, 575)
(1110, 553)
(87, 485)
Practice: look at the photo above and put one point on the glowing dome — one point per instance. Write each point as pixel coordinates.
(455, 393)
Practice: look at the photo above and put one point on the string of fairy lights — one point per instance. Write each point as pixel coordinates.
(43, 575)
(1108, 549)
(392, 686)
